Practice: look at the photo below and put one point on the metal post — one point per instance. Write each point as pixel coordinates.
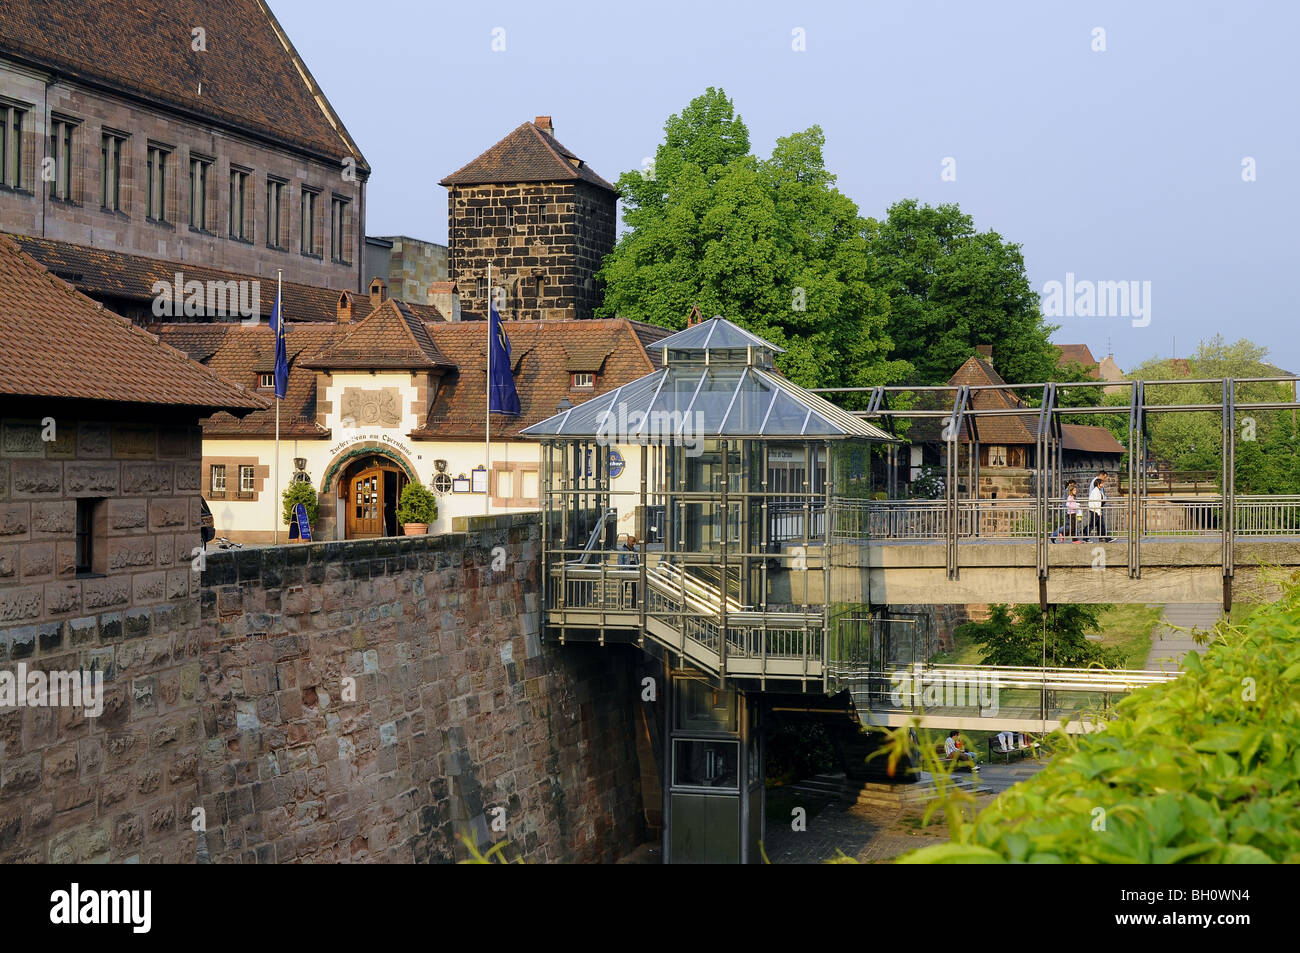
(1229, 495)
(642, 592)
(722, 581)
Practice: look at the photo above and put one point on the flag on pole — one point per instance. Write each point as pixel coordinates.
(502, 396)
(281, 356)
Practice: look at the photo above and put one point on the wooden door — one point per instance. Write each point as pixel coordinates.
(366, 504)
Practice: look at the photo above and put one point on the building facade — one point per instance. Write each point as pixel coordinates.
(208, 144)
(543, 219)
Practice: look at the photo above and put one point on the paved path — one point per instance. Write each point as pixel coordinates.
(1168, 646)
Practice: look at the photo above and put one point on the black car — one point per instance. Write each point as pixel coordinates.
(207, 527)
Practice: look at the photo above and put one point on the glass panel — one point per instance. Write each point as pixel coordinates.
(706, 764)
(702, 707)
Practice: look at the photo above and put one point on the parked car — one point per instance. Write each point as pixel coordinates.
(207, 527)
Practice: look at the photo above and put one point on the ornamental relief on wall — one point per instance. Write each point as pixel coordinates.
(380, 407)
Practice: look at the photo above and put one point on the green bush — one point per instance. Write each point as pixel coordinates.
(417, 505)
(305, 494)
(1201, 769)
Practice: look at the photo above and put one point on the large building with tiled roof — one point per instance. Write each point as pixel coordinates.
(100, 449)
(541, 216)
(181, 130)
(374, 402)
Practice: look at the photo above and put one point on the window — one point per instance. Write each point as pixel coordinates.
(61, 131)
(246, 485)
(307, 238)
(110, 172)
(510, 215)
(199, 193)
(340, 225)
(274, 213)
(88, 556)
(583, 379)
(266, 379)
(11, 145)
(997, 456)
(217, 484)
(478, 216)
(155, 171)
(238, 192)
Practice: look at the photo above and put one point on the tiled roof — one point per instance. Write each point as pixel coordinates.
(1078, 354)
(538, 348)
(648, 335)
(248, 76)
(239, 353)
(542, 378)
(56, 342)
(1000, 429)
(526, 155)
(101, 273)
(390, 337)
(1089, 439)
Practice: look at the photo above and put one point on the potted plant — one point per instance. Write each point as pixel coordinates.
(417, 508)
(304, 493)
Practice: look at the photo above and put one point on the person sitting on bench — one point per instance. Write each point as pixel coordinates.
(952, 749)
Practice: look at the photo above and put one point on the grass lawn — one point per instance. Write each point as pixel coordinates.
(1128, 628)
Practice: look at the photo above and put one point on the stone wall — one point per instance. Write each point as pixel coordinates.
(545, 242)
(356, 701)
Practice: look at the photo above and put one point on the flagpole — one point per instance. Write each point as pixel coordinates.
(279, 329)
(487, 414)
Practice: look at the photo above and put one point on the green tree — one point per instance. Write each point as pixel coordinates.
(1267, 452)
(768, 243)
(951, 288)
(1020, 636)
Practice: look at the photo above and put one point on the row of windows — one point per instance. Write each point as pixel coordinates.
(159, 169)
(515, 215)
(217, 483)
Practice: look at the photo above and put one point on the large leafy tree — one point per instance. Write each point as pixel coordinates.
(1019, 635)
(1267, 449)
(768, 243)
(952, 288)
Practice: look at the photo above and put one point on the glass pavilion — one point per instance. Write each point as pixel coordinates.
(693, 508)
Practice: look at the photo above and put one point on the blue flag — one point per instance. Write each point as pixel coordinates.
(502, 396)
(281, 357)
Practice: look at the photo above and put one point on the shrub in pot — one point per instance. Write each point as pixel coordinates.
(417, 508)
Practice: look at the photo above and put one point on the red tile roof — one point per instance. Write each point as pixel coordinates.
(1078, 354)
(526, 155)
(56, 342)
(251, 77)
(390, 337)
(111, 274)
(1089, 439)
(538, 352)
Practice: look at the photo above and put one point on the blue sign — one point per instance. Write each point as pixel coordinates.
(304, 527)
(616, 463)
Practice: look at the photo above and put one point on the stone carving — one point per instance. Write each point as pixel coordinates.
(22, 440)
(371, 408)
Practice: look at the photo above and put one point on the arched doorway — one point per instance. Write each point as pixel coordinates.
(369, 489)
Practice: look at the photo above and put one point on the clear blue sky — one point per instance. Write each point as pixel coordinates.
(1116, 165)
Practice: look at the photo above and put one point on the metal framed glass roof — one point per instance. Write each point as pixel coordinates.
(715, 401)
(717, 333)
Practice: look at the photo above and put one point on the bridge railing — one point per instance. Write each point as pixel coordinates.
(987, 691)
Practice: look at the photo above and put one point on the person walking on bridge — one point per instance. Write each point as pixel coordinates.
(1096, 505)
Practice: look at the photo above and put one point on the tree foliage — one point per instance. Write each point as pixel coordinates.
(1016, 635)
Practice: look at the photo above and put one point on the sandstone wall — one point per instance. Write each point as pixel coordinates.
(249, 714)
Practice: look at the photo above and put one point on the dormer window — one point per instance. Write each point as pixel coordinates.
(266, 380)
(582, 380)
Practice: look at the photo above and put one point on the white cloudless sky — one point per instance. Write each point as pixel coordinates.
(1122, 165)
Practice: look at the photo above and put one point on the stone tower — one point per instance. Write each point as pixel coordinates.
(542, 217)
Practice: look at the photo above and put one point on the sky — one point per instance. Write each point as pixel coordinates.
(1150, 143)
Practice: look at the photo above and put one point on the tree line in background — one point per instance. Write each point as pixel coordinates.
(772, 244)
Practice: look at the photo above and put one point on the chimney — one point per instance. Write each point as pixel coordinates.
(544, 123)
(444, 296)
(345, 308)
(985, 351)
(378, 291)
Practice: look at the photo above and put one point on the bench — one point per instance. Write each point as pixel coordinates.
(958, 764)
(1016, 749)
